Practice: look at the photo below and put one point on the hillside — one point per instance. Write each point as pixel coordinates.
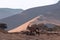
(7, 12)
(50, 11)
(36, 20)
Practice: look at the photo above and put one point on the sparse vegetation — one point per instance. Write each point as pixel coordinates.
(40, 29)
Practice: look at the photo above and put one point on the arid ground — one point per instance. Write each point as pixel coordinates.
(18, 36)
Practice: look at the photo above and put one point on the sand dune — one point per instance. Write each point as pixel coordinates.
(24, 26)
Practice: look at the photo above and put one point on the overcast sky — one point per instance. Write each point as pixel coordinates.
(25, 4)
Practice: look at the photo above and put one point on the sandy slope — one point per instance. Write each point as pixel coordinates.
(24, 26)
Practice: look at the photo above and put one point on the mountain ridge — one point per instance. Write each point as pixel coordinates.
(6, 12)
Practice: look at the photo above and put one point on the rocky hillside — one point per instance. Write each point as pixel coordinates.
(4, 35)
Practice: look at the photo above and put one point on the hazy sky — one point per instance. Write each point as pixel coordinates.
(25, 4)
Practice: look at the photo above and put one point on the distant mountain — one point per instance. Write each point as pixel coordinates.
(50, 11)
(6, 12)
